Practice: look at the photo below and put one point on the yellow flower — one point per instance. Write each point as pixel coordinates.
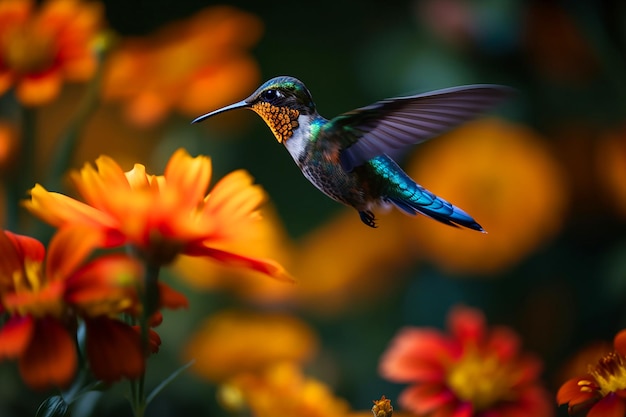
(232, 342)
(40, 48)
(161, 216)
(282, 390)
(193, 65)
(504, 177)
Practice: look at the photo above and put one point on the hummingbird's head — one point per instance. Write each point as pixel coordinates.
(279, 102)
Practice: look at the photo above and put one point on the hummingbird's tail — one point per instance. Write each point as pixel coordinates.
(413, 199)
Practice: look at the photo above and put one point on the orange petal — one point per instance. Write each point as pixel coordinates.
(265, 266)
(190, 176)
(35, 91)
(113, 349)
(14, 336)
(58, 209)
(171, 298)
(69, 247)
(570, 393)
(50, 358)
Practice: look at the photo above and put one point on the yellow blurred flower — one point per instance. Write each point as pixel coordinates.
(502, 175)
(611, 165)
(234, 342)
(282, 390)
(42, 47)
(193, 65)
(343, 262)
(331, 276)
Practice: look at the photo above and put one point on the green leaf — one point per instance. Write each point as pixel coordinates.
(167, 381)
(54, 406)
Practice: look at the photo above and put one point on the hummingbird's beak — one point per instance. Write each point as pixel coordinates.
(239, 105)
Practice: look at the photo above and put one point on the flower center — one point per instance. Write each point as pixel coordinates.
(32, 295)
(481, 380)
(610, 373)
(28, 51)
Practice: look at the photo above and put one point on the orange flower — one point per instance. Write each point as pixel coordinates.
(281, 390)
(502, 175)
(611, 166)
(221, 348)
(473, 372)
(161, 216)
(603, 390)
(40, 48)
(193, 65)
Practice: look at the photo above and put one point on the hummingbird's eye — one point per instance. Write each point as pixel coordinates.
(270, 95)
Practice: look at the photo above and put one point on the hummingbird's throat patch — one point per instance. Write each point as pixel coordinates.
(281, 120)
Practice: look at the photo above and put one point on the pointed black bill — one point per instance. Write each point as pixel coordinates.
(239, 105)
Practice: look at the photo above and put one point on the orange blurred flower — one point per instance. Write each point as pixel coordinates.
(40, 299)
(611, 165)
(602, 391)
(41, 48)
(193, 65)
(281, 390)
(161, 216)
(504, 177)
(221, 347)
(474, 371)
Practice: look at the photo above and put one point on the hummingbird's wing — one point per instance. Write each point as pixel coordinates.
(395, 123)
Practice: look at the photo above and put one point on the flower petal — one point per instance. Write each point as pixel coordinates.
(38, 90)
(69, 247)
(425, 398)
(570, 393)
(416, 355)
(27, 247)
(105, 286)
(171, 298)
(15, 336)
(50, 358)
(114, 350)
(467, 324)
(609, 406)
(190, 176)
(58, 209)
(265, 266)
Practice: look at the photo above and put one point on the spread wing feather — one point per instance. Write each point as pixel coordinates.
(394, 124)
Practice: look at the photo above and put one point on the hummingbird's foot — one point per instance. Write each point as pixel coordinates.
(368, 218)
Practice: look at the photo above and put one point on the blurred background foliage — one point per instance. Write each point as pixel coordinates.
(544, 173)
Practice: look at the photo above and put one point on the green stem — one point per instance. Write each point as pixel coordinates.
(150, 302)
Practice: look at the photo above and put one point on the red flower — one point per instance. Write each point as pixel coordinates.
(603, 390)
(42, 302)
(474, 371)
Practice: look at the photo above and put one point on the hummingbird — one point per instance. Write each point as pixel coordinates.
(346, 157)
